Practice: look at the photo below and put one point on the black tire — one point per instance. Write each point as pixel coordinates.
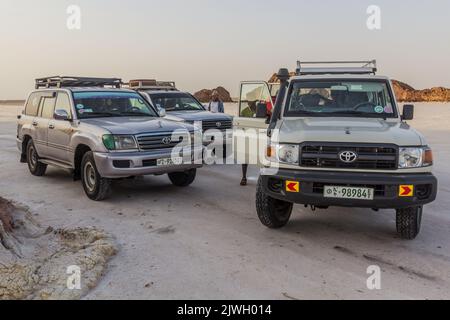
(36, 168)
(272, 213)
(408, 222)
(182, 179)
(96, 187)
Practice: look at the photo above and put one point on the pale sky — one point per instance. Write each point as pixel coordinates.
(206, 43)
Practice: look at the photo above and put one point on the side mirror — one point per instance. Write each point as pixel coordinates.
(261, 110)
(61, 114)
(408, 112)
(162, 112)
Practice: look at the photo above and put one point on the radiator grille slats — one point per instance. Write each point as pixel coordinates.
(368, 157)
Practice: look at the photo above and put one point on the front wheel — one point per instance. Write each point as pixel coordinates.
(96, 187)
(182, 179)
(272, 213)
(408, 222)
(36, 168)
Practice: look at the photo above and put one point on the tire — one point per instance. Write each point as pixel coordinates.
(182, 179)
(36, 168)
(272, 213)
(408, 222)
(96, 187)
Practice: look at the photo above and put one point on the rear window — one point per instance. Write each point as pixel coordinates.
(32, 106)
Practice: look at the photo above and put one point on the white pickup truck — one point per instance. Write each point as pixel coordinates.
(337, 138)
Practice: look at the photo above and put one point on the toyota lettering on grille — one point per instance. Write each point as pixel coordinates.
(348, 156)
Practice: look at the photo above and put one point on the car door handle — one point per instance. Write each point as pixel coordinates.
(34, 123)
(51, 126)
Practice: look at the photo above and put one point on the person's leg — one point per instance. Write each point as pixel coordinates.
(244, 175)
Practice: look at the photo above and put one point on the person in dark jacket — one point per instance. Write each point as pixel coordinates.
(215, 105)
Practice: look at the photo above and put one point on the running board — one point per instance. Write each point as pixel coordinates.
(56, 164)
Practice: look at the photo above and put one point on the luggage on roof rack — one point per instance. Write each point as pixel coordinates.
(151, 84)
(66, 81)
(336, 67)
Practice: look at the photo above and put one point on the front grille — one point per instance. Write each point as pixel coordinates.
(369, 156)
(160, 141)
(217, 124)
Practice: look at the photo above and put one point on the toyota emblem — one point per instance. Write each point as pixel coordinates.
(348, 156)
(218, 124)
(167, 140)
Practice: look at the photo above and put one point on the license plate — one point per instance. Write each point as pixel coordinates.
(348, 192)
(169, 161)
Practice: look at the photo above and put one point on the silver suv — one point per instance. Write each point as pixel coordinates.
(101, 132)
(183, 106)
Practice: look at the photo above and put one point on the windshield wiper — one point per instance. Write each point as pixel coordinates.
(349, 112)
(133, 113)
(109, 114)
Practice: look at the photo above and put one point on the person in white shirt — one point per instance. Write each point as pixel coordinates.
(215, 105)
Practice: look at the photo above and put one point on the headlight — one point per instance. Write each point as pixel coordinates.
(119, 142)
(287, 153)
(415, 157)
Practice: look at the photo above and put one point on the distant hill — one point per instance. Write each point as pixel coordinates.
(406, 93)
(12, 102)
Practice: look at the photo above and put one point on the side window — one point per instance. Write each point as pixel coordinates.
(63, 103)
(47, 107)
(31, 109)
(251, 95)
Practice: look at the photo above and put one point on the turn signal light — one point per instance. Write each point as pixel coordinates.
(427, 157)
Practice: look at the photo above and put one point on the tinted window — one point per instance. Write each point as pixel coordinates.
(47, 107)
(63, 103)
(175, 101)
(32, 106)
(111, 104)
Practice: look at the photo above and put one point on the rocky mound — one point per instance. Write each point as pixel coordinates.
(406, 93)
(37, 263)
(204, 95)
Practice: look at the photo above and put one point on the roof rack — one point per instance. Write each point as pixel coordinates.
(151, 84)
(66, 81)
(344, 67)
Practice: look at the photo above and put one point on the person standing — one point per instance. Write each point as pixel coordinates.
(215, 105)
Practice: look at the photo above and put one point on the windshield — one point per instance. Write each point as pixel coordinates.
(175, 101)
(90, 104)
(340, 98)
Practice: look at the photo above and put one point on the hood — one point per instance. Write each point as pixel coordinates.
(200, 115)
(137, 125)
(351, 130)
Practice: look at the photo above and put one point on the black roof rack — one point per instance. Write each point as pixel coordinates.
(151, 84)
(343, 67)
(66, 81)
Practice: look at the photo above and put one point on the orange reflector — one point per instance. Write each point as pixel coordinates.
(428, 157)
(406, 191)
(292, 186)
(270, 152)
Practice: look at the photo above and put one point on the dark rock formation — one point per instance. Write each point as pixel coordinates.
(204, 95)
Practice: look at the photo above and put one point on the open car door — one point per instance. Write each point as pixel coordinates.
(250, 126)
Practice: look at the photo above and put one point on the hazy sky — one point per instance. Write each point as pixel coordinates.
(206, 43)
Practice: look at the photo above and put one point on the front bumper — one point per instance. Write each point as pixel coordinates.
(386, 188)
(122, 165)
(226, 137)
